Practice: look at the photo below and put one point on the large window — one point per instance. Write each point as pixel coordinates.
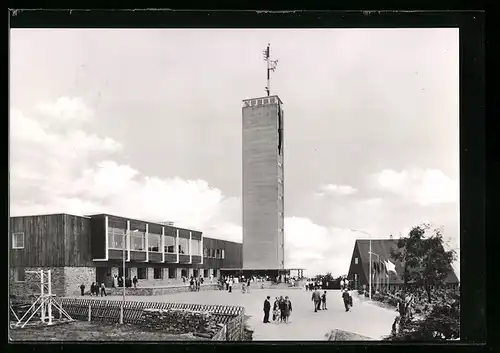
(115, 238)
(19, 274)
(142, 273)
(137, 241)
(154, 242)
(217, 253)
(205, 252)
(212, 252)
(205, 273)
(157, 273)
(169, 244)
(196, 244)
(355, 260)
(172, 273)
(223, 253)
(18, 240)
(183, 246)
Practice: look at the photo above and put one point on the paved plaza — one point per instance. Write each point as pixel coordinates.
(364, 318)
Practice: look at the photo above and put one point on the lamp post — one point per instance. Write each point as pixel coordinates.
(124, 241)
(370, 253)
(378, 261)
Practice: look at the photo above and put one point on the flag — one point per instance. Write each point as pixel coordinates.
(390, 267)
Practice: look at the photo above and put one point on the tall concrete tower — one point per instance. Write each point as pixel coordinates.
(263, 211)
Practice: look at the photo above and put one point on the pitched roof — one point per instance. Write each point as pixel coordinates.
(383, 247)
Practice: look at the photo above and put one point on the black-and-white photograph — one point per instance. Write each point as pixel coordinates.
(210, 185)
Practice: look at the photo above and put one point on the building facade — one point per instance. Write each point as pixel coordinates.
(385, 272)
(90, 249)
(263, 183)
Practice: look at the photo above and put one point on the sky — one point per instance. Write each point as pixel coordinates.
(147, 124)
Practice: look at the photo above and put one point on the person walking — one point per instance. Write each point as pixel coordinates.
(92, 289)
(323, 301)
(248, 285)
(230, 285)
(346, 284)
(227, 283)
(82, 289)
(316, 298)
(345, 297)
(267, 308)
(134, 280)
(342, 284)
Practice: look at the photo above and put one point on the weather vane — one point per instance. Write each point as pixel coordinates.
(271, 66)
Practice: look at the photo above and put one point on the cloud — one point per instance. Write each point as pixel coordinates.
(66, 109)
(424, 187)
(329, 189)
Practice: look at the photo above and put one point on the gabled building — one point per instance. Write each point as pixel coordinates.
(86, 249)
(385, 271)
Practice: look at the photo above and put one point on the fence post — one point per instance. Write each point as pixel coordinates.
(90, 312)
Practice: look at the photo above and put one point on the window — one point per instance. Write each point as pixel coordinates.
(120, 272)
(169, 244)
(217, 253)
(137, 241)
(214, 272)
(205, 273)
(19, 274)
(115, 238)
(184, 272)
(157, 273)
(196, 273)
(355, 277)
(222, 253)
(154, 242)
(196, 247)
(212, 253)
(355, 260)
(205, 252)
(183, 246)
(18, 240)
(142, 273)
(172, 273)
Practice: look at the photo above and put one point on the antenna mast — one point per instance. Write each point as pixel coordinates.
(271, 66)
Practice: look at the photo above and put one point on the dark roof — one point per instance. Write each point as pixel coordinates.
(383, 247)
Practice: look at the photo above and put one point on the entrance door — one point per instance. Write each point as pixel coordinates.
(102, 274)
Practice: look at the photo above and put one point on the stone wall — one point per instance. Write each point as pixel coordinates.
(75, 276)
(31, 284)
(177, 321)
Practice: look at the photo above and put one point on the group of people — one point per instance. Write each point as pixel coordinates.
(97, 288)
(195, 283)
(282, 308)
(227, 283)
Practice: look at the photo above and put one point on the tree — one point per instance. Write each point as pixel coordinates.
(328, 277)
(425, 261)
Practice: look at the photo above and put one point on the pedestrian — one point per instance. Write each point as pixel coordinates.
(248, 285)
(267, 308)
(282, 309)
(342, 284)
(134, 280)
(103, 290)
(82, 289)
(288, 309)
(243, 287)
(230, 285)
(115, 281)
(346, 298)
(92, 289)
(227, 283)
(211, 279)
(323, 300)
(276, 310)
(346, 284)
(316, 298)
